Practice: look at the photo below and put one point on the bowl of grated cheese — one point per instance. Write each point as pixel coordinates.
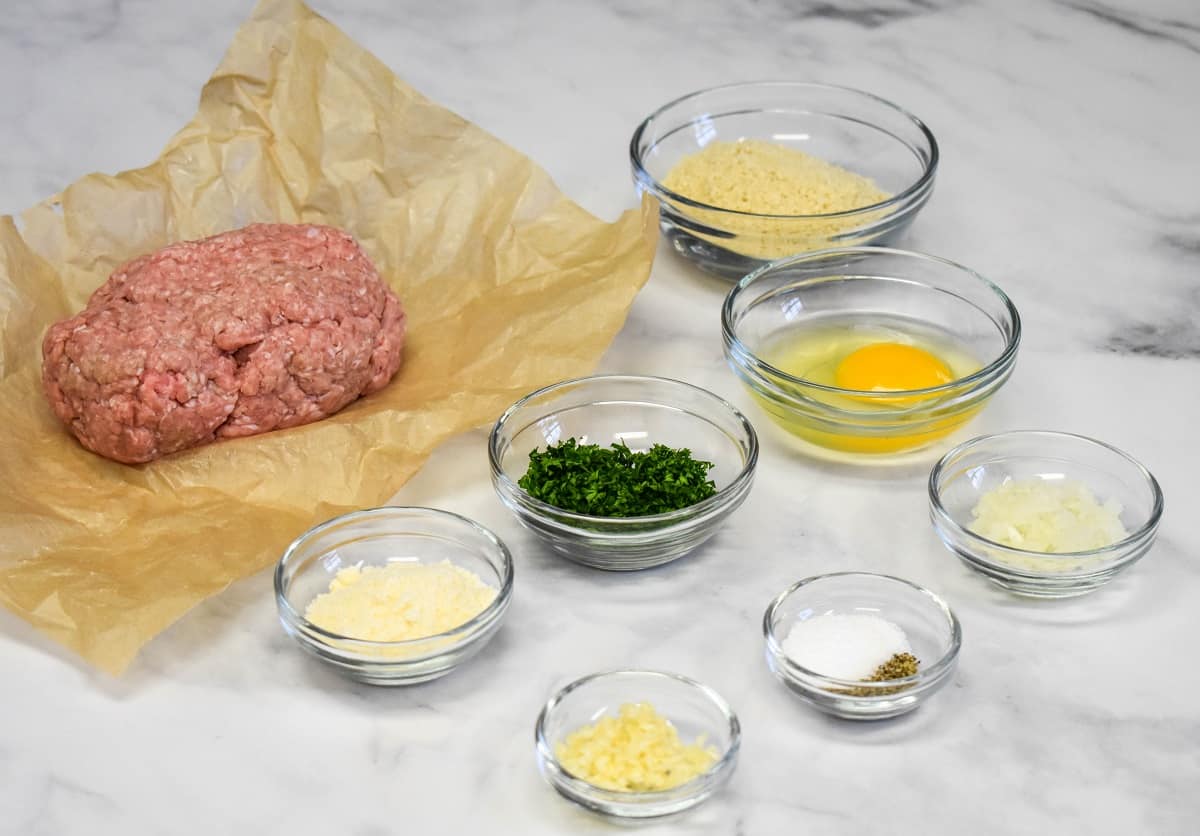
(1044, 514)
(748, 173)
(394, 595)
(636, 744)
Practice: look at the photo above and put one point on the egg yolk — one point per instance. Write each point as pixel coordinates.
(891, 367)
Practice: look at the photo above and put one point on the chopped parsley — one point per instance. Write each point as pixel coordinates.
(616, 481)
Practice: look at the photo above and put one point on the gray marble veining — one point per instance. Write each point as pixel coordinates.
(1069, 176)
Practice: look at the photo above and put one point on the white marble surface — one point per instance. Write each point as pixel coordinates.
(1069, 176)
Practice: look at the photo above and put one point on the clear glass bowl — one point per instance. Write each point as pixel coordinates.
(850, 128)
(905, 291)
(376, 537)
(932, 630)
(694, 709)
(641, 411)
(957, 482)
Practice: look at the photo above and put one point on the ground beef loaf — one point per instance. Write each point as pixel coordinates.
(253, 330)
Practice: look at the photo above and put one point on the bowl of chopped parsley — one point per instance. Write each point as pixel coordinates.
(622, 472)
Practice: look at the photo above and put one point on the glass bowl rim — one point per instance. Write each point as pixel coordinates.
(944, 517)
(685, 789)
(926, 674)
(921, 184)
(458, 634)
(725, 494)
(996, 366)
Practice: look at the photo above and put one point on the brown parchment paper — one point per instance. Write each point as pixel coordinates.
(508, 286)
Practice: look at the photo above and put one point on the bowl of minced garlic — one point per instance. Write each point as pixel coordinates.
(394, 596)
(637, 744)
(749, 173)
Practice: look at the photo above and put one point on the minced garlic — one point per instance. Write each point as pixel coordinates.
(1051, 517)
(399, 601)
(764, 178)
(636, 751)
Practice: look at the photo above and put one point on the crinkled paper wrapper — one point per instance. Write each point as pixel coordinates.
(508, 286)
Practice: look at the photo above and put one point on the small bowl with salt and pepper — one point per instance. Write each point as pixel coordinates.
(861, 646)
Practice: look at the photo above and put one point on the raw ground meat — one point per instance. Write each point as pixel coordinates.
(261, 328)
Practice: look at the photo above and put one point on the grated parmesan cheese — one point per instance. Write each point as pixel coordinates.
(636, 751)
(1051, 517)
(399, 601)
(764, 178)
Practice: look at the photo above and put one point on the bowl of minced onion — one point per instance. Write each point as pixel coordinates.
(1044, 514)
(622, 472)
(394, 595)
(636, 744)
(748, 173)
(861, 646)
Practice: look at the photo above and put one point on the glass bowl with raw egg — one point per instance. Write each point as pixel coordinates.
(394, 595)
(865, 352)
(1044, 514)
(748, 173)
(859, 645)
(637, 744)
(651, 420)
